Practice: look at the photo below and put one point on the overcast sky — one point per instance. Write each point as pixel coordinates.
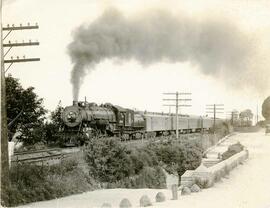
(128, 82)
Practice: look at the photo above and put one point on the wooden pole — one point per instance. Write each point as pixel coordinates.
(4, 136)
(176, 107)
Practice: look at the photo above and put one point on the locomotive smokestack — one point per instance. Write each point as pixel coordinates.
(75, 103)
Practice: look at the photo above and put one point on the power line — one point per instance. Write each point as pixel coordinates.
(177, 105)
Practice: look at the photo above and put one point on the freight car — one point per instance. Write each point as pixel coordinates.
(85, 120)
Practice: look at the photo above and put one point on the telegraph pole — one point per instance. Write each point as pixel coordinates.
(233, 116)
(214, 109)
(257, 115)
(4, 139)
(177, 105)
(4, 136)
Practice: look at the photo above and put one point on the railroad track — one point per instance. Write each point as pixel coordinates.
(48, 156)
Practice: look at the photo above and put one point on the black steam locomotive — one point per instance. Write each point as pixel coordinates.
(85, 120)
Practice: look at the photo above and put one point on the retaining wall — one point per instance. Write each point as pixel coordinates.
(208, 176)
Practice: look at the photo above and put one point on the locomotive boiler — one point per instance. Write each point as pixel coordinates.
(84, 120)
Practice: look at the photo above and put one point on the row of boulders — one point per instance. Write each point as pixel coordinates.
(160, 197)
(193, 189)
(144, 201)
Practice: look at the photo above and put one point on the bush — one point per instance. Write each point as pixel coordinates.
(232, 150)
(177, 157)
(204, 182)
(30, 182)
(108, 160)
(114, 166)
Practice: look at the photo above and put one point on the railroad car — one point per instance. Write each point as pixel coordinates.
(84, 120)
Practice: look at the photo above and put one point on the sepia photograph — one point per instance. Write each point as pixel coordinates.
(135, 103)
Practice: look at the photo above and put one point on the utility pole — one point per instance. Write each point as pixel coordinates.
(4, 139)
(257, 114)
(4, 135)
(233, 116)
(214, 109)
(177, 105)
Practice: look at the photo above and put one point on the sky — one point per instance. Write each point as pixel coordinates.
(129, 82)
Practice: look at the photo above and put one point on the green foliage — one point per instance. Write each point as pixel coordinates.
(111, 163)
(30, 183)
(114, 165)
(232, 150)
(108, 160)
(266, 108)
(261, 124)
(51, 129)
(56, 116)
(25, 112)
(178, 156)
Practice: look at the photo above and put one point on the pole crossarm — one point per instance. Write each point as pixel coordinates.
(178, 99)
(21, 60)
(213, 112)
(214, 108)
(177, 105)
(21, 27)
(174, 93)
(215, 105)
(20, 44)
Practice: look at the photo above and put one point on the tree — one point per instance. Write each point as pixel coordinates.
(266, 108)
(52, 128)
(56, 115)
(25, 112)
(246, 117)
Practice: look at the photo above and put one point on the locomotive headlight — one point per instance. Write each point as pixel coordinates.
(71, 116)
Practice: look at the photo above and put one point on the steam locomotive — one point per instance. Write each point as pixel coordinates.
(84, 120)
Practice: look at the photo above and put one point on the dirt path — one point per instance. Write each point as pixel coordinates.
(247, 186)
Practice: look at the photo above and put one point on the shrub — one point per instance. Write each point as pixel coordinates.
(206, 182)
(30, 182)
(232, 150)
(178, 156)
(108, 160)
(115, 166)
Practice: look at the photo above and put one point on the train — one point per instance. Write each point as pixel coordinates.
(84, 120)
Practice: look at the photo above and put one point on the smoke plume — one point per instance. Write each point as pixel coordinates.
(216, 46)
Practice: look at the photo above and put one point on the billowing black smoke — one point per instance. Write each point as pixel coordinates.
(216, 46)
